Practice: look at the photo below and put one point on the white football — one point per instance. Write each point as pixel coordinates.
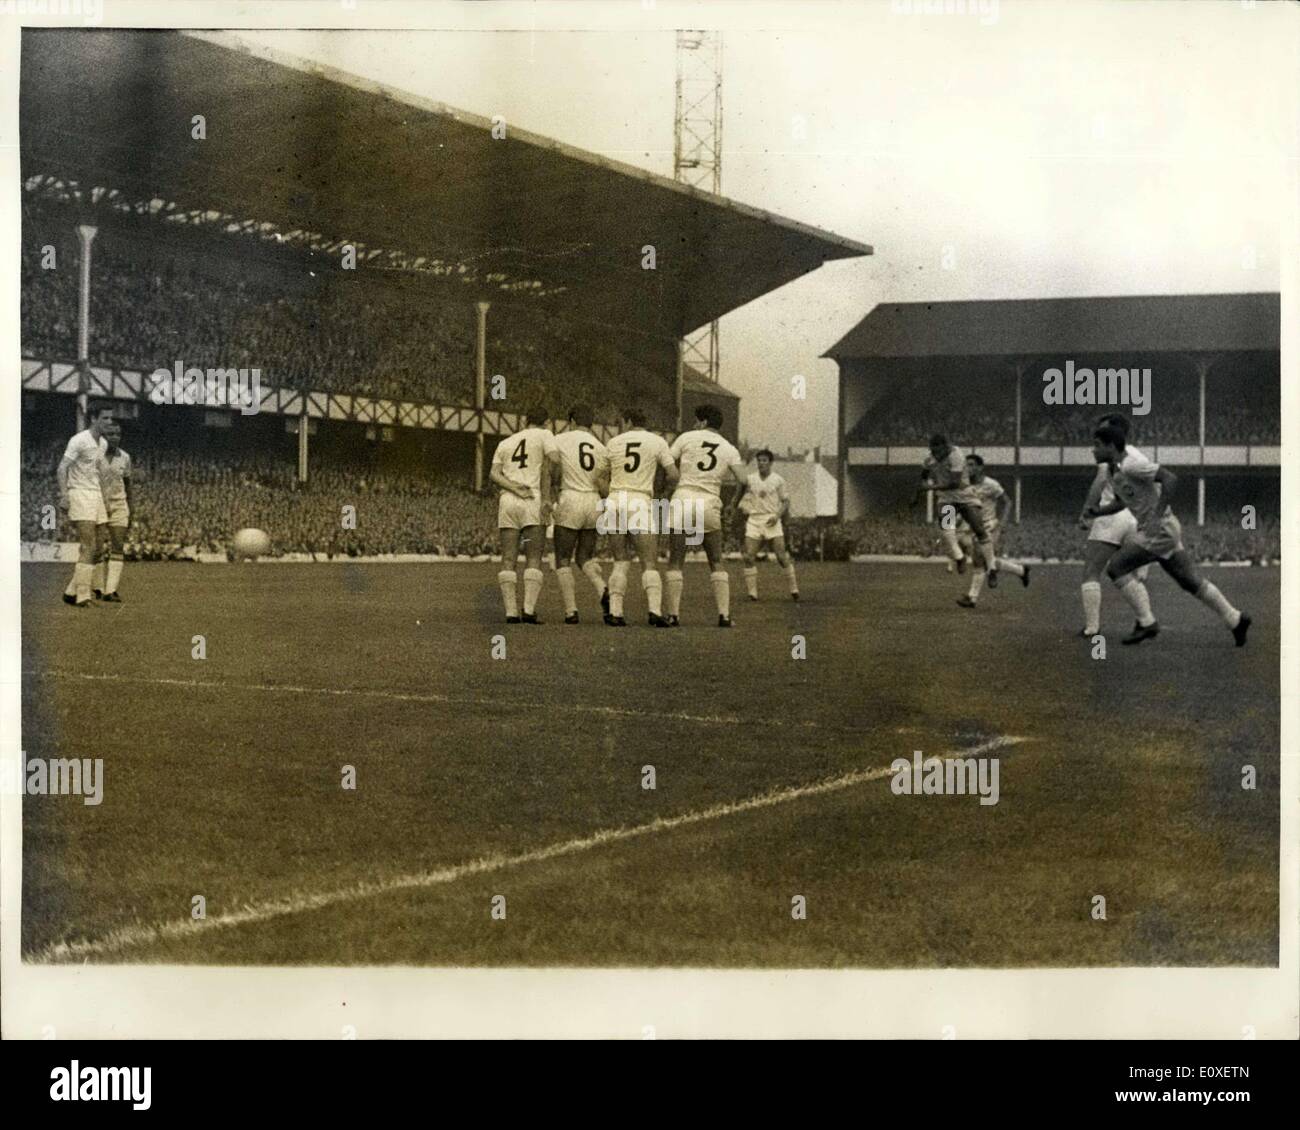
(251, 543)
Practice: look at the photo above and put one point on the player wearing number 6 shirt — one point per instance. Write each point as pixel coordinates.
(580, 462)
(635, 457)
(706, 462)
(765, 500)
(518, 467)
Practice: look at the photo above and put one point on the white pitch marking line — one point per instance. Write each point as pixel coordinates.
(440, 699)
(128, 937)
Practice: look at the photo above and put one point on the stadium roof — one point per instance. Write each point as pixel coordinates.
(1027, 327)
(305, 147)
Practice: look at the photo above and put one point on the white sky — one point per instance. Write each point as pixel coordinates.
(1058, 149)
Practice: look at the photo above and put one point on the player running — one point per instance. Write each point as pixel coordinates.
(115, 484)
(517, 468)
(580, 465)
(1105, 535)
(1147, 489)
(994, 506)
(630, 519)
(945, 474)
(765, 500)
(81, 495)
(706, 461)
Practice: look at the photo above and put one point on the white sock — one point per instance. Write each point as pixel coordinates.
(98, 574)
(986, 552)
(71, 590)
(1141, 573)
(81, 576)
(114, 574)
(617, 587)
(950, 540)
(1135, 592)
(751, 580)
(592, 571)
(976, 584)
(509, 583)
(654, 590)
(794, 583)
(532, 589)
(1091, 593)
(721, 581)
(564, 575)
(1012, 567)
(1209, 595)
(672, 592)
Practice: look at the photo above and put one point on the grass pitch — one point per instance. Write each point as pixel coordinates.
(523, 776)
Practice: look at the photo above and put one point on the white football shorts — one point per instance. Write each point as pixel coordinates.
(1164, 544)
(515, 513)
(763, 527)
(87, 506)
(695, 511)
(629, 512)
(119, 514)
(1113, 528)
(577, 509)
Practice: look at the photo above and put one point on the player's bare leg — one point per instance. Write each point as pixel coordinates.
(116, 560)
(585, 557)
(647, 551)
(78, 590)
(532, 540)
(786, 564)
(99, 576)
(673, 578)
(719, 578)
(1127, 560)
(566, 544)
(1096, 556)
(507, 577)
(983, 542)
(1184, 571)
(752, 546)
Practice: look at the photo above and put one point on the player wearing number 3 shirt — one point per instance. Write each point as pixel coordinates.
(707, 462)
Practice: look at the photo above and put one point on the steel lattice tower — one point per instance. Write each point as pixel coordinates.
(697, 153)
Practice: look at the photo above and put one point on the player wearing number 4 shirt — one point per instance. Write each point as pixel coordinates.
(765, 500)
(517, 468)
(580, 465)
(706, 462)
(635, 457)
(1147, 489)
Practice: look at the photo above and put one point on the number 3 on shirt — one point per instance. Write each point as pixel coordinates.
(712, 449)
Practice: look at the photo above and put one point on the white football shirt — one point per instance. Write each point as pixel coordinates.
(114, 470)
(522, 457)
(766, 496)
(705, 458)
(633, 457)
(83, 452)
(581, 456)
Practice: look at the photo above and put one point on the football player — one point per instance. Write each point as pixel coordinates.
(1147, 489)
(517, 468)
(765, 501)
(630, 518)
(580, 466)
(706, 462)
